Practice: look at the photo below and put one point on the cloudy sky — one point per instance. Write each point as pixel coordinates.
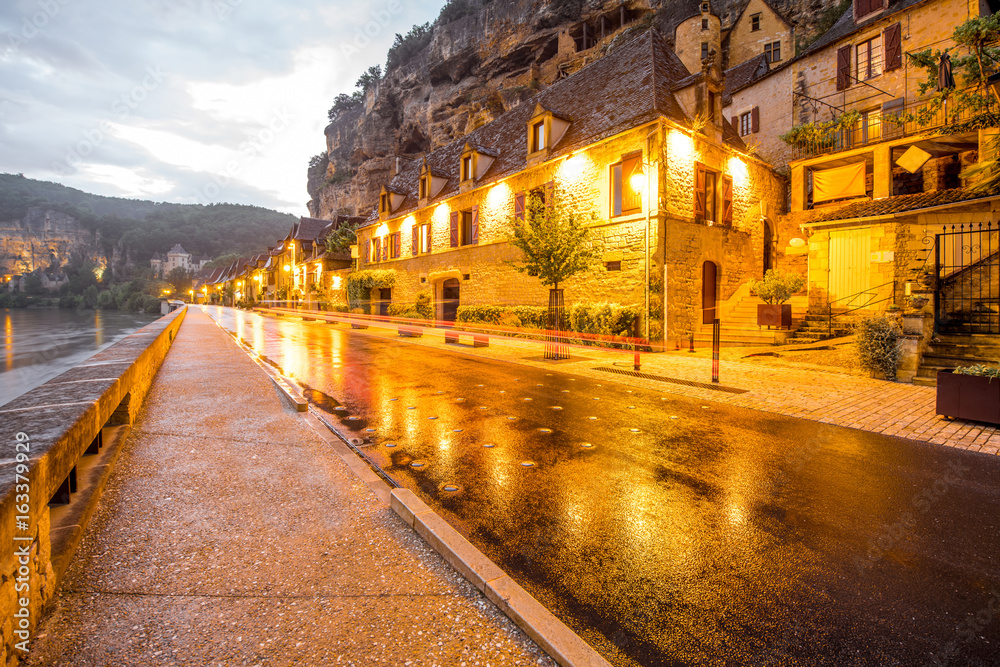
(187, 101)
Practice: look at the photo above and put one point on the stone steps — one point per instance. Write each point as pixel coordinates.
(951, 351)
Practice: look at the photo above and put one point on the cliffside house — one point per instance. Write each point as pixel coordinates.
(177, 257)
(685, 217)
(873, 198)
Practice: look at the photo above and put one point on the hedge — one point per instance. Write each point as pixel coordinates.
(598, 319)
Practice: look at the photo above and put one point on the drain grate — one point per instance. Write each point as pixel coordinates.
(686, 383)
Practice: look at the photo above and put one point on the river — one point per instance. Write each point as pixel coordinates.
(40, 344)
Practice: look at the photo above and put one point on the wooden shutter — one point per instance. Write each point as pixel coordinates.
(430, 236)
(368, 250)
(699, 193)
(416, 239)
(454, 229)
(755, 120)
(893, 48)
(397, 243)
(475, 225)
(376, 249)
(736, 124)
(631, 198)
(519, 207)
(844, 67)
(727, 199)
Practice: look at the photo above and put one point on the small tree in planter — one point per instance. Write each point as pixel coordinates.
(556, 245)
(775, 289)
(878, 345)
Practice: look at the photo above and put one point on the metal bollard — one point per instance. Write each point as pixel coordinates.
(636, 363)
(692, 343)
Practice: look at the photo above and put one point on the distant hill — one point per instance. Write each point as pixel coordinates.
(133, 230)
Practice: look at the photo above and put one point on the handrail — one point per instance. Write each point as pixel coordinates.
(866, 304)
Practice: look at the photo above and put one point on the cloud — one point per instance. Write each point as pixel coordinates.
(183, 100)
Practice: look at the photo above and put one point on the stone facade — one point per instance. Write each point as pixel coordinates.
(757, 26)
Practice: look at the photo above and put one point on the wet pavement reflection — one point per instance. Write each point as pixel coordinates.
(670, 531)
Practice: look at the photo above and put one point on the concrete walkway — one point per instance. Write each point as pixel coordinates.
(231, 534)
(903, 410)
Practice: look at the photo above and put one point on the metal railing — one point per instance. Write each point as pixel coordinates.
(967, 289)
(871, 300)
(886, 124)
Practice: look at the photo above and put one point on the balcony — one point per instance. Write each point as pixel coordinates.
(892, 120)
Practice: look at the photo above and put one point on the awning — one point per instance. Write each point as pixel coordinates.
(839, 182)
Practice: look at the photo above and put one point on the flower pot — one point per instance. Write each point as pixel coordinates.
(777, 315)
(968, 397)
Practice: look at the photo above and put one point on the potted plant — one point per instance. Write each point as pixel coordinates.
(775, 289)
(354, 323)
(970, 392)
(918, 301)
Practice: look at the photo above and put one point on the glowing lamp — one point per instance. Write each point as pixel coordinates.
(797, 242)
(638, 179)
(738, 169)
(288, 267)
(383, 230)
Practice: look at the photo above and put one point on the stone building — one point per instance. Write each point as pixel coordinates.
(759, 30)
(686, 208)
(176, 258)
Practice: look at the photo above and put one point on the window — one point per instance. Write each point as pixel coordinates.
(613, 266)
(865, 7)
(467, 172)
(704, 24)
(704, 6)
(423, 187)
(772, 52)
(754, 22)
(425, 238)
(869, 58)
(705, 185)
(538, 136)
(465, 227)
(384, 203)
(704, 50)
(625, 200)
(745, 124)
(869, 126)
(395, 245)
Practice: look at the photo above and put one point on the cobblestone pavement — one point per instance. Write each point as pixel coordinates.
(903, 410)
(230, 534)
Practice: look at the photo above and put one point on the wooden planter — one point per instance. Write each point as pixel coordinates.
(410, 332)
(778, 315)
(968, 397)
(355, 325)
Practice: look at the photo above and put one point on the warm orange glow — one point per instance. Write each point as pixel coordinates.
(409, 222)
(680, 146)
(336, 282)
(738, 169)
(638, 180)
(288, 268)
(498, 197)
(383, 230)
(573, 168)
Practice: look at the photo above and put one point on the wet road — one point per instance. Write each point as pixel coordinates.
(669, 531)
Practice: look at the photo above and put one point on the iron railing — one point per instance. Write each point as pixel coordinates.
(967, 286)
(868, 298)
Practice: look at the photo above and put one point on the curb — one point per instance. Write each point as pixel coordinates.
(552, 635)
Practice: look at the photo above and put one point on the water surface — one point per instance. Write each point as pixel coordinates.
(38, 345)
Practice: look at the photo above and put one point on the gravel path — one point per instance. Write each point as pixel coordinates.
(230, 534)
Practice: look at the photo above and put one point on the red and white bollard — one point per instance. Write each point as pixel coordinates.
(636, 363)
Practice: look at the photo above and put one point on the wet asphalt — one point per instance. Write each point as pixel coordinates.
(672, 531)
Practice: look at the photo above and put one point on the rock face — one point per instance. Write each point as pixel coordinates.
(480, 65)
(45, 239)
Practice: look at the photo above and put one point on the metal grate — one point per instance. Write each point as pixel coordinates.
(686, 383)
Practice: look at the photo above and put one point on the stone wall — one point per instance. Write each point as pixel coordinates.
(58, 421)
(745, 43)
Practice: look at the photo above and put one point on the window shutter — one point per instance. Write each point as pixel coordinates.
(519, 207)
(397, 244)
(893, 48)
(631, 200)
(475, 224)
(755, 120)
(415, 230)
(699, 193)
(454, 229)
(430, 236)
(727, 199)
(736, 124)
(376, 249)
(368, 250)
(843, 67)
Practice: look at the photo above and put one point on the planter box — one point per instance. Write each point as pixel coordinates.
(968, 397)
(779, 315)
(355, 325)
(410, 332)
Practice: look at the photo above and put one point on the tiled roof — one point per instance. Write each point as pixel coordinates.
(178, 249)
(743, 75)
(627, 88)
(769, 6)
(309, 229)
(897, 204)
(846, 25)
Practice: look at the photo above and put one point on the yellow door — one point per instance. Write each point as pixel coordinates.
(850, 264)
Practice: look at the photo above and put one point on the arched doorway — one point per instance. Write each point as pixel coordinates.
(451, 291)
(709, 292)
(768, 247)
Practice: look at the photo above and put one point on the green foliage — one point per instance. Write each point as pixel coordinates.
(316, 174)
(819, 133)
(180, 278)
(553, 240)
(222, 261)
(421, 310)
(342, 238)
(406, 47)
(340, 176)
(106, 300)
(603, 319)
(777, 288)
(361, 283)
(14, 300)
(343, 103)
(454, 10)
(33, 283)
(370, 77)
(979, 370)
(826, 20)
(878, 345)
(528, 317)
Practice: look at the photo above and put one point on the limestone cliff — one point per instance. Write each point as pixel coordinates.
(45, 239)
(480, 65)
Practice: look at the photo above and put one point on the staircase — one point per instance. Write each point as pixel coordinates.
(739, 323)
(957, 350)
(815, 328)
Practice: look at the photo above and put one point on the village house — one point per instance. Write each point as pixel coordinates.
(681, 213)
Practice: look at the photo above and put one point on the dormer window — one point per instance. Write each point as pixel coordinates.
(473, 164)
(384, 203)
(389, 201)
(423, 186)
(468, 168)
(864, 8)
(430, 184)
(538, 137)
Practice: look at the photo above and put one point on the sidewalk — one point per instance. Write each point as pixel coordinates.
(231, 534)
(890, 408)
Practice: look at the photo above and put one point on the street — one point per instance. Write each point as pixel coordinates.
(670, 531)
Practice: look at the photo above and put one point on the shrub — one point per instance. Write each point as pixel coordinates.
(6, 300)
(878, 345)
(605, 319)
(777, 288)
(405, 48)
(980, 370)
(150, 305)
(423, 306)
(361, 283)
(106, 299)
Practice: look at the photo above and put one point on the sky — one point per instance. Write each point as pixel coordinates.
(185, 101)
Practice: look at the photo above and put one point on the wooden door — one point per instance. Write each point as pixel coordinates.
(451, 296)
(709, 296)
(850, 267)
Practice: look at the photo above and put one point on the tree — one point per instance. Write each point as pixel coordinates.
(553, 240)
(342, 238)
(180, 278)
(368, 80)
